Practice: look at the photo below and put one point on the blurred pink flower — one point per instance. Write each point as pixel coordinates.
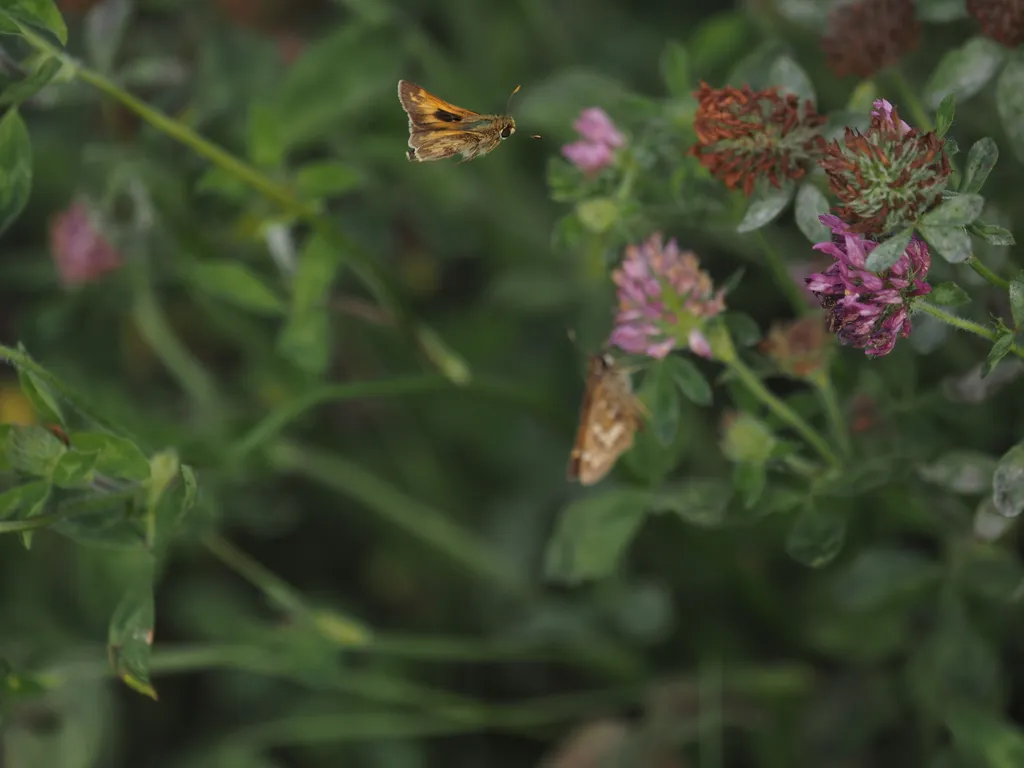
(80, 251)
(645, 324)
(883, 110)
(600, 138)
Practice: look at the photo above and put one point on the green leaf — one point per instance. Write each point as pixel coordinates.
(992, 234)
(598, 214)
(983, 739)
(811, 203)
(949, 294)
(305, 338)
(958, 211)
(999, 350)
(15, 92)
(663, 397)
(224, 184)
(130, 637)
(15, 167)
(326, 179)
(952, 243)
(980, 161)
(698, 501)
(937, 11)
(748, 481)
(592, 534)
(1010, 101)
(34, 450)
(743, 328)
(889, 252)
(675, 69)
(964, 70)
(791, 78)
(105, 26)
(235, 283)
(967, 472)
(46, 406)
(879, 576)
(1008, 483)
(75, 469)
(116, 457)
(25, 498)
(1017, 300)
(266, 145)
(766, 204)
(38, 13)
(817, 535)
(689, 379)
(746, 438)
(944, 115)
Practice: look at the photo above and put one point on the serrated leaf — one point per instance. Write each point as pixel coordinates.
(766, 204)
(46, 406)
(952, 243)
(74, 469)
(749, 480)
(944, 114)
(15, 167)
(810, 204)
(949, 294)
(327, 178)
(964, 70)
(1017, 300)
(1010, 101)
(967, 472)
(817, 535)
(689, 379)
(957, 211)
(1008, 483)
(699, 501)
(981, 159)
(305, 338)
(33, 450)
(592, 534)
(130, 637)
(235, 283)
(999, 350)
(38, 13)
(791, 78)
(116, 457)
(675, 69)
(878, 576)
(992, 234)
(889, 252)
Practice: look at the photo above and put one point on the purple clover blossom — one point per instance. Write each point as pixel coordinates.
(867, 310)
(600, 139)
(883, 111)
(80, 250)
(645, 325)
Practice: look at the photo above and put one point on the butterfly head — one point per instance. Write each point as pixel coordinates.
(506, 127)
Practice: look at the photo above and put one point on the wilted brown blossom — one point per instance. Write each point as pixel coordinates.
(887, 177)
(743, 135)
(863, 37)
(1002, 20)
(800, 348)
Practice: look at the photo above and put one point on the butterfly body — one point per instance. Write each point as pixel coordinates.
(438, 129)
(610, 417)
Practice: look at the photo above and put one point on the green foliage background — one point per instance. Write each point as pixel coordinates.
(320, 419)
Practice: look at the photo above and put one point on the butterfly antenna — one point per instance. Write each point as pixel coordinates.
(508, 104)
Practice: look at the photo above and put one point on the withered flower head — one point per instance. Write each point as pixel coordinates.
(863, 37)
(888, 177)
(1002, 20)
(743, 135)
(800, 348)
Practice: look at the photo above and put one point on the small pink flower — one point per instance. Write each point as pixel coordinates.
(644, 324)
(600, 140)
(883, 111)
(79, 250)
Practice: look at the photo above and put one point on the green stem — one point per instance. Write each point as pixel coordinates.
(987, 273)
(827, 392)
(362, 263)
(920, 116)
(961, 324)
(780, 409)
(783, 279)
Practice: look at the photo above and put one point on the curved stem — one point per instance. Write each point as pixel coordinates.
(987, 273)
(962, 324)
(827, 392)
(781, 410)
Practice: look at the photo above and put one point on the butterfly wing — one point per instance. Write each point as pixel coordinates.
(610, 417)
(439, 129)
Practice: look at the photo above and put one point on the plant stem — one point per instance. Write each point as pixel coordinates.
(780, 409)
(918, 113)
(964, 325)
(783, 280)
(987, 273)
(823, 384)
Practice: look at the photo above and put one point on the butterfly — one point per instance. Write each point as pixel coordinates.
(438, 129)
(610, 417)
